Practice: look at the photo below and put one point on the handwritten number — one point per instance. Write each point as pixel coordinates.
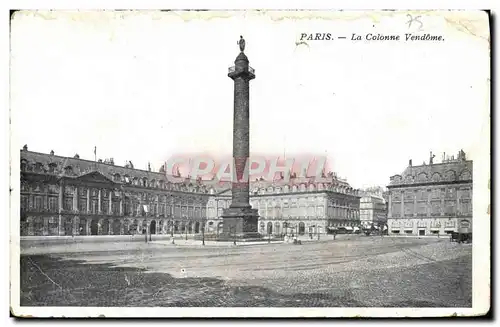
(414, 20)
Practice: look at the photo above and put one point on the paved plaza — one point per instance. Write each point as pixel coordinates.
(351, 271)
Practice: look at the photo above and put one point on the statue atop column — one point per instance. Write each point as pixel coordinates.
(241, 43)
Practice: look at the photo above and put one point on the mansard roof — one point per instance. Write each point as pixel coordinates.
(75, 167)
(438, 172)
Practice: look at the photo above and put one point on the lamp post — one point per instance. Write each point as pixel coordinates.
(171, 214)
(186, 228)
(172, 229)
(145, 208)
(203, 231)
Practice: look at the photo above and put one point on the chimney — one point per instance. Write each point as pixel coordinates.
(77, 156)
(25, 147)
(409, 163)
(51, 152)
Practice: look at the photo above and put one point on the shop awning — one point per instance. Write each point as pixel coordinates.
(356, 228)
(348, 227)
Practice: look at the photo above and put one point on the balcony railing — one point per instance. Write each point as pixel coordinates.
(232, 69)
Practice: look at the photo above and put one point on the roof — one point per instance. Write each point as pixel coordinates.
(432, 173)
(118, 173)
(81, 167)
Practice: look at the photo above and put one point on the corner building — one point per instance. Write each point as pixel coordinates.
(373, 210)
(432, 199)
(299, 206)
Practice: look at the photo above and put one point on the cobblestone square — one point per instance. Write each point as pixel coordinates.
(352, 271)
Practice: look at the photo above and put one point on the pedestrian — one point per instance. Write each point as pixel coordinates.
(81, 231)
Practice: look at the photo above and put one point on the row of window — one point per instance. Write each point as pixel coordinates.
(303, 187)
(449, 175)
(153, 208)
(438, 193)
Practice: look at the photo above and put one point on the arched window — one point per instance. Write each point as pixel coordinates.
(116, 177)
(262, 227)
(39, 167)
(465, 175)
(23, 165)
(52, 167)
(302, 228)
(68, 170)
(450, 175)
(436, 177)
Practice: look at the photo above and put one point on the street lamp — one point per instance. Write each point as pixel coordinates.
(203, 230)
(146, 209)
(269, 234)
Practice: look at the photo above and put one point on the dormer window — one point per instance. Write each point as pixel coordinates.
(23, 165)
(52, 167)
(38, 167)
(68, 170)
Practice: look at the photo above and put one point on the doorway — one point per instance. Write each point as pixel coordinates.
(421, 232)
(94, 227)
(152, 227)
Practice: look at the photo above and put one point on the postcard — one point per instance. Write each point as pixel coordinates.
(251, 163)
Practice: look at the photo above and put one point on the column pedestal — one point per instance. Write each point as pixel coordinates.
(240, 224)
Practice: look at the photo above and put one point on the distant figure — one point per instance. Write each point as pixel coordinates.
(81, 231)
(241, 43)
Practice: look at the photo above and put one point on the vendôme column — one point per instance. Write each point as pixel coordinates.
(240, 220)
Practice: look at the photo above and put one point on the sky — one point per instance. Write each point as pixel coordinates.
(147, 86)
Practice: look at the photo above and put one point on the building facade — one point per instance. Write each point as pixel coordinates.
(432, 199)
(300, 206)
(372, 210)
(72, 196)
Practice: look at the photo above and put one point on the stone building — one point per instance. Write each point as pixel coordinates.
(73, 196)
(432, 199)
(299, 206)
(372, 209)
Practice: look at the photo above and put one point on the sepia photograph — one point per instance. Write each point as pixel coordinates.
(249, 163)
